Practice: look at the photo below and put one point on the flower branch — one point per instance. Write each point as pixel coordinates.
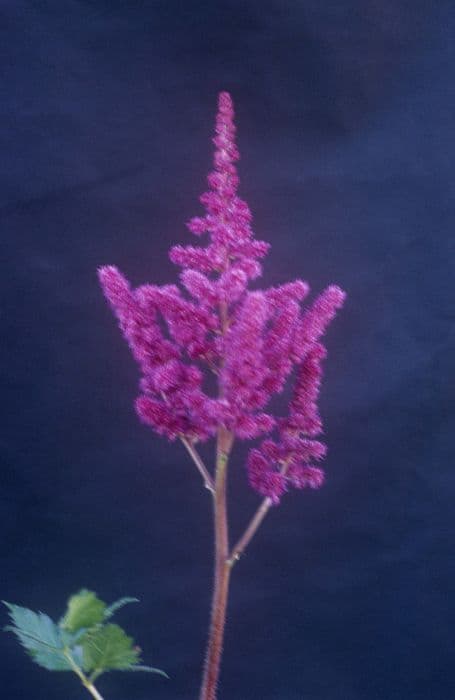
(253, 526)
(208, 481)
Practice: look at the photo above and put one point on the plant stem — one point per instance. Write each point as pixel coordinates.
(250, 531)
(222, 571)
(83, 678)
(91, 689)
(253, 525)
(208, 481)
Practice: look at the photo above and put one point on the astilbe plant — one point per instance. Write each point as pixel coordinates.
(253, 341)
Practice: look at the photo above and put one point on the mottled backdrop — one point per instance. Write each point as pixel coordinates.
(345, 113)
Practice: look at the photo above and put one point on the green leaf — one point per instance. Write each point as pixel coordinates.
(117, 605)
(39, 636)
(84, 610)
(108, 648)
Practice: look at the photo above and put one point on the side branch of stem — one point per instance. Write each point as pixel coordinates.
(208, 481)
(253, 525)
(250, 531)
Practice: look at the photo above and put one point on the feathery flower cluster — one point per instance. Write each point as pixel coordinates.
(252, 340)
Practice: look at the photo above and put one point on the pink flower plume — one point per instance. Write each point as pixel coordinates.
(253, 341)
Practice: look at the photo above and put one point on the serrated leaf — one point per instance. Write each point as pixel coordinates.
(108, 648)
(148, 669)
(39, 636)
(84, 610)
(51, 660)
(117, 605)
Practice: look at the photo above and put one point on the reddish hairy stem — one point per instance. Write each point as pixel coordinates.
(221, 572)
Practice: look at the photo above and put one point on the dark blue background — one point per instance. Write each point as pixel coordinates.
(345, 114)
